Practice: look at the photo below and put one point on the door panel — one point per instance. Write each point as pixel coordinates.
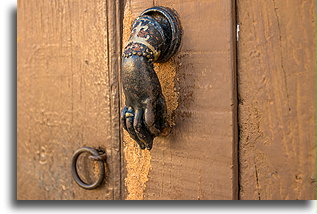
(66, 96)
(198, 159)
(277, 91)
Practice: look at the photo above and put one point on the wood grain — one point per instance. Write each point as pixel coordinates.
(66, 96)
(276, 70)
(198, 159)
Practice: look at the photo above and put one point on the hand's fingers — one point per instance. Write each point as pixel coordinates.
(149, 119)
(129, 117)
(129, 122)
(123, 119)
(140, 129)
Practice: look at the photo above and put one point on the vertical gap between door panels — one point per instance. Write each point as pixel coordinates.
(113, 29)
(235, 115)
(236, 34)
(119, 5)
(108, 63)
(120, 13)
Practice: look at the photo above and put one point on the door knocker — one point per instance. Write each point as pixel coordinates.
(155, 37)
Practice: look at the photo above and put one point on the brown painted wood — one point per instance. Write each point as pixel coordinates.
(276, 70)
(68, 54)
(68, 97)
(198, 159)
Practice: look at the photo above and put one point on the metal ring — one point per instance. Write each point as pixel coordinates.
(96, 156)
(176, 28)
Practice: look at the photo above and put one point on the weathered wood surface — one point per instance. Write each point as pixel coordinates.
(66, 96)
(68, 62)
(198, 159)
(276, 72)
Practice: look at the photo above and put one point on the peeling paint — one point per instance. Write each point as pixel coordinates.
(138, 162)
(166, 73)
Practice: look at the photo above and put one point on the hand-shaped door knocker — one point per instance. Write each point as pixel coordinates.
(155, 37)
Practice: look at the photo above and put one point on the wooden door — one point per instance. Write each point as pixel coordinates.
(277, 106)
(261, 110)
(67, 96)
(198, 160)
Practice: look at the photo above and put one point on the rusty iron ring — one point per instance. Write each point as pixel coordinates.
(96, 155)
